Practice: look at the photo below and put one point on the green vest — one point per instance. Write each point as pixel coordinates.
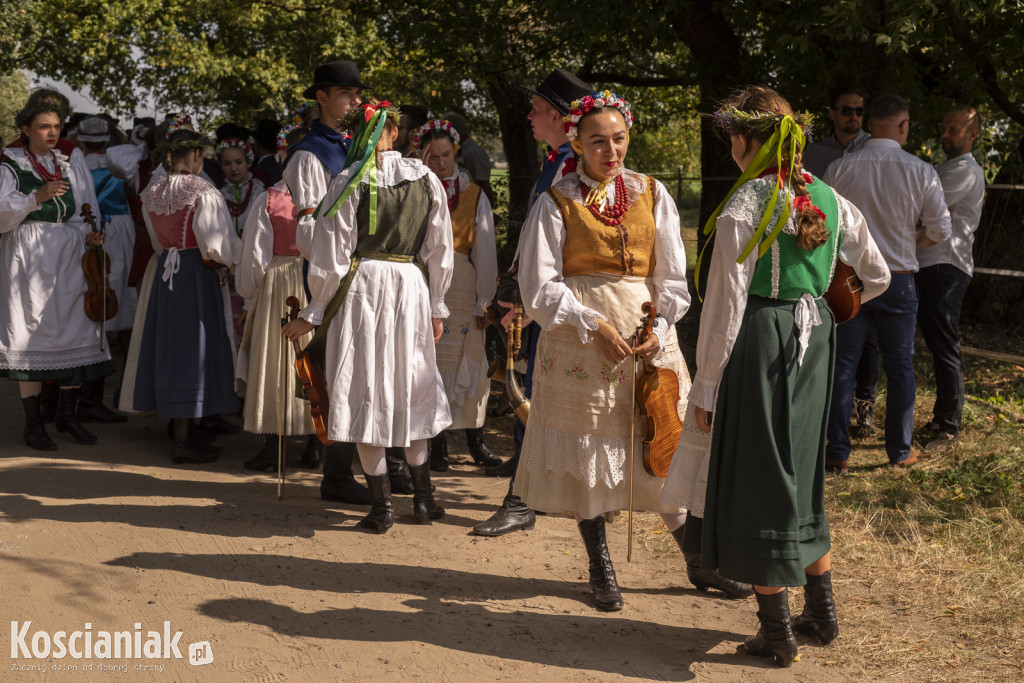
(55, 210)
(788, 271)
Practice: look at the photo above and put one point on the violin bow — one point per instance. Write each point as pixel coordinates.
(632, 451)
(282, 417)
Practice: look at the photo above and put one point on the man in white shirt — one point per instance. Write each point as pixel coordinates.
(895, 191)
(946, 271)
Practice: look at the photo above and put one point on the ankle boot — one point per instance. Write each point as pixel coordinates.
(424, 507)
(603, 583)
(67, 418)
(90, 404)
(35, 433)
(401, 484)
(314, 453)
(513, 515)
(188, 447)
(48, 401)
(705, 579)
(439, 453)
(481, 454)
(507, 468)
(775, 638)
(266, 459)
(338, 483)
(819, 616)
(382, 512)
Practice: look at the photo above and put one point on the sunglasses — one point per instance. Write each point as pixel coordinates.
(850, 111)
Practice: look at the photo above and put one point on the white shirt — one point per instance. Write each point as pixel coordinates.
(963, 183)
(308, 180)
(895, 191)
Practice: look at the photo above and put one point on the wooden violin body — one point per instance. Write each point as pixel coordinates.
(843, 295)
(100, 300)
(657, 395)
(311, 377)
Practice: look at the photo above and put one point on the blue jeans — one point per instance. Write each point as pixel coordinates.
(893, 315)
(942, 289)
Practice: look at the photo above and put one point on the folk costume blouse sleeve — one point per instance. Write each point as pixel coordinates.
(671, 294)
(212, 225)
(437, 252)
(257, 250)
(308, 180)
(123, 161)
(860, 251)
(14, 206)
(484, 255)
(546, 298)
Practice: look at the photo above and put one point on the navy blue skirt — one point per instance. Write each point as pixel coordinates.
(186, 367)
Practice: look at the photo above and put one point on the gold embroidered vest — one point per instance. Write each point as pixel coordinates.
(593, 247)
(464, 219)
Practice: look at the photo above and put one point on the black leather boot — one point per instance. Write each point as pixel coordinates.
(266, 459)
(819, 616)
(35, 433)
(189, 448)
(67, 418)
(48, 401)
(218, 426)
(513, 515)
(339, 484)
(481, 454)
(439, 453)
(401, 483)
(424, 507)
(90, 404)
(705, 579)
(603, 584)
(507, 468)
(775, 638)
(314, 453)
(382, 513)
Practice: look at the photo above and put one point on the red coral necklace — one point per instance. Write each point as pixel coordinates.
(611, 215)
(41, 170)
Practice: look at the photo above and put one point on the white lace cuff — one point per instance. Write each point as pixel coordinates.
(587, 323)
(438, 309)
(480, 310)
(660, 328)
(314, 312)
(703, 392)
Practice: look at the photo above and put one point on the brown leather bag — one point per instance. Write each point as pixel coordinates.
(843, 295)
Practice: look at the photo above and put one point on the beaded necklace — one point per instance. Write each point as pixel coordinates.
(613, 214)
(41, 170)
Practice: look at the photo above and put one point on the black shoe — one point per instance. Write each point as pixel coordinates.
(382, 514)
(603, 584)
(67, 418)
(775, 638)
(216, 424)
(90, 405)
(706, 579)
(439, 453)
(192, 452)
(48, 401)
(266, 460)
(424, 507)
(819, 616)
(481, 454)
(401, 483)
(864, 412)
(507, 468)
(314, 453)
(345, 489)
(513, 515)
(35, 433)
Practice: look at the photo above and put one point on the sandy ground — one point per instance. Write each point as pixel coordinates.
(116, 534)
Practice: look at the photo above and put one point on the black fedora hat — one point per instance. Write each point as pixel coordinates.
(560, 88)
(339, 74)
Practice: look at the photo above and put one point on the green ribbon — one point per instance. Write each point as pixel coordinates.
(771, 151)
(362, 155)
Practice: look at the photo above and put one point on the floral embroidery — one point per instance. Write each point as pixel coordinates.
(465, 329)
(546, 363)
(610, 377)
(446, 327)
(576, 370)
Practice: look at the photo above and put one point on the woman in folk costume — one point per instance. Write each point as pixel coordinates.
(186, 358)
(44, 332)
(271, 271)
(755, 430)
(597, 245)
(241, 187)
(461, 356)
(379, 266)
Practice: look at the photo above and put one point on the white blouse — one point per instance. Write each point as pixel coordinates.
(308, 180)
(211, 224)
(484, 255)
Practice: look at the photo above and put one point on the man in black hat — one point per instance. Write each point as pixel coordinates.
(551, 100)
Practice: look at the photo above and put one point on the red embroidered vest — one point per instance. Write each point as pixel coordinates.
(283, 220)
(173, 231)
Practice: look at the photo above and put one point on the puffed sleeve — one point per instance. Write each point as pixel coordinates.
(671, 295)
(157, 247)
(860, 251)
(215, 237)
(484, 255)
(123, 161)
(14, 205)
(545, 296)
(257, 249)
(83, 187)
(329, 250)
(308, 181)
(724, 303)
(437, 252)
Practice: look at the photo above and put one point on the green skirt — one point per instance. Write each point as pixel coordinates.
(68, 377)
(764, 516)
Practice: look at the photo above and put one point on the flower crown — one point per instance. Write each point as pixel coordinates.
(443, 125)
(588, 103)
(365, 112)
(299, 119)
(731, 118)
(228, 143)
(177, 123)
(282, 136)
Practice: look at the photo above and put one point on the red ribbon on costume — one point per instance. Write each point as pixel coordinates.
(801, 203)
(370, 109)
(568, 166)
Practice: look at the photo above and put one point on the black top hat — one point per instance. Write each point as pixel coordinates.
(560, 88)
(339, 74)
(266, 133)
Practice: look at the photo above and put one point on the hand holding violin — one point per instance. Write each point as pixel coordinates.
(649, 349)
(297, 328)
(94, 239)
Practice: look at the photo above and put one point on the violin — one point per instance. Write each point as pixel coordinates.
(311, 377)
(100, 300)
(657, 395)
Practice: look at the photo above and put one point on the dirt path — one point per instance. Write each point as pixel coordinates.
(116, 535)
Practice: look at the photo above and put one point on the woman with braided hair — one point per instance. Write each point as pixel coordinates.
(752, 459)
